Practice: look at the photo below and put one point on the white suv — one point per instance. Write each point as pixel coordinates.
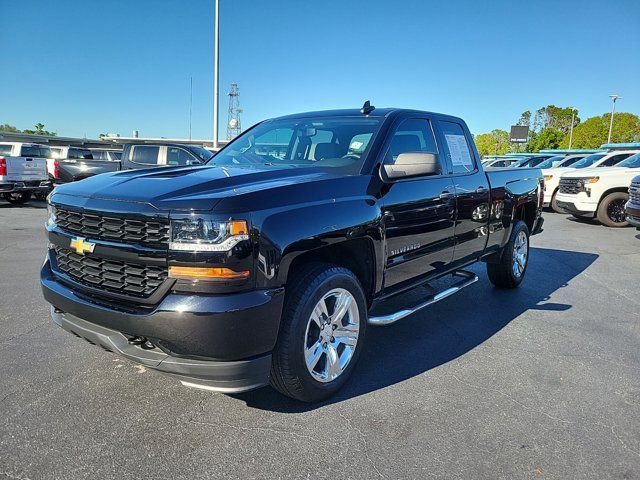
(595, 160)
(599, 192)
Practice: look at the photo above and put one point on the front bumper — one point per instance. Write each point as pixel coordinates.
(26, 186)
(218, 342)
(580, 204)
(633, 215)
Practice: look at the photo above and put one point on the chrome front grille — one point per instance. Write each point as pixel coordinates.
(125, 278)
(634, 193)
(571, 186)
(114, 228)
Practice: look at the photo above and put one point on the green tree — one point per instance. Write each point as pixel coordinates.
(8, 128)
(594, 131)
(40, 130)
(548, 138)
(525, 119)
(495, 142)
(558, 118)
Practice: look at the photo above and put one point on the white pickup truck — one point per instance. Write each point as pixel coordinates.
(23, 170)
(599, 192)
(595, 160)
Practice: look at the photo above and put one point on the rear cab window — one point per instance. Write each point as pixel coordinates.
(35, 151)
(6, 149)
(80, 154)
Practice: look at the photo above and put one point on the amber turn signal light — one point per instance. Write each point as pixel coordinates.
(206, 273)
(238, 227)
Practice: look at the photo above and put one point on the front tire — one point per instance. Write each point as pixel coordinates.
(611, 211)
(510, 271)
(554, 204)
(17, 198)
(321, 333)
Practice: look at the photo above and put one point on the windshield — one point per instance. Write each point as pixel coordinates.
(202, 153)
(632, 162)
(551, 162)
(332, 142)
(588, 160)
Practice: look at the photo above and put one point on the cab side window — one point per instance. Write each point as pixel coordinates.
(460, 152)
(178, 156)
(146, 154)
(611, 161)
(413, 135)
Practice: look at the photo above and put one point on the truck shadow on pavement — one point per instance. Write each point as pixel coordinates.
(446, 330)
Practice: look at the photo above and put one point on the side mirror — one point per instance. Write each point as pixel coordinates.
(411, 164)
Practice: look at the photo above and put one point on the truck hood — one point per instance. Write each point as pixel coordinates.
(556, 171)
(601, 172)
(186, 188)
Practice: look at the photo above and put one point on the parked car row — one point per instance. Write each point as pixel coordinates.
(589, 183)
(28, 169)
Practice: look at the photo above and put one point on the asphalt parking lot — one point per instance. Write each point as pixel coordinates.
(541, 382)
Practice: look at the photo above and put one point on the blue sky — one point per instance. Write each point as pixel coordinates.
(88, 67)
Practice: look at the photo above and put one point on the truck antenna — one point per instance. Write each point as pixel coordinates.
(367, 108)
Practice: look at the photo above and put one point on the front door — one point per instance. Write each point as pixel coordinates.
(419, 213)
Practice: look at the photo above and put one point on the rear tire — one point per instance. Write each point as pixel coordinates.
(510, 271)
(611, 211)
(17, 198)
(311, 362)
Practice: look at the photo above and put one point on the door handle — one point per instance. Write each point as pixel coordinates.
(445, 194)
(481, 189)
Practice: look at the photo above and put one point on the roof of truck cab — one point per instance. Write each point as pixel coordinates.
(355, 112)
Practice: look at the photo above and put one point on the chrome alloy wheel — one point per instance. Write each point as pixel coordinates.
(332, 335)
(520, 254)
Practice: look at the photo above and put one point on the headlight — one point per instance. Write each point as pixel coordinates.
(201, 234)
(587, 181)
(51, 215)
(548, 177)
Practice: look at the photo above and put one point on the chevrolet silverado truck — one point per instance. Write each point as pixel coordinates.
(23, 171)
(595, 160)
(633, 205)
(270, 263)
(599, 192)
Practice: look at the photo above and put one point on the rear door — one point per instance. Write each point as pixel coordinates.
(472, 192)
(418, 212)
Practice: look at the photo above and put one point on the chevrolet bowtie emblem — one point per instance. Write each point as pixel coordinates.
(81, 246)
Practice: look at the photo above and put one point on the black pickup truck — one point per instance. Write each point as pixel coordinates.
(270, 263)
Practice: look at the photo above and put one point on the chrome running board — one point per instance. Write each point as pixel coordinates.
(467, 278)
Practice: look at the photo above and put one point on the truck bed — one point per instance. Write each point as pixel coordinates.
(73, 170)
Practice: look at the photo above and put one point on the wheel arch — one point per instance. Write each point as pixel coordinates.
(356, 255)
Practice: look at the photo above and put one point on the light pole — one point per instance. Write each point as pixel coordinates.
(216, 73)
(613, 97)
(573, 116)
